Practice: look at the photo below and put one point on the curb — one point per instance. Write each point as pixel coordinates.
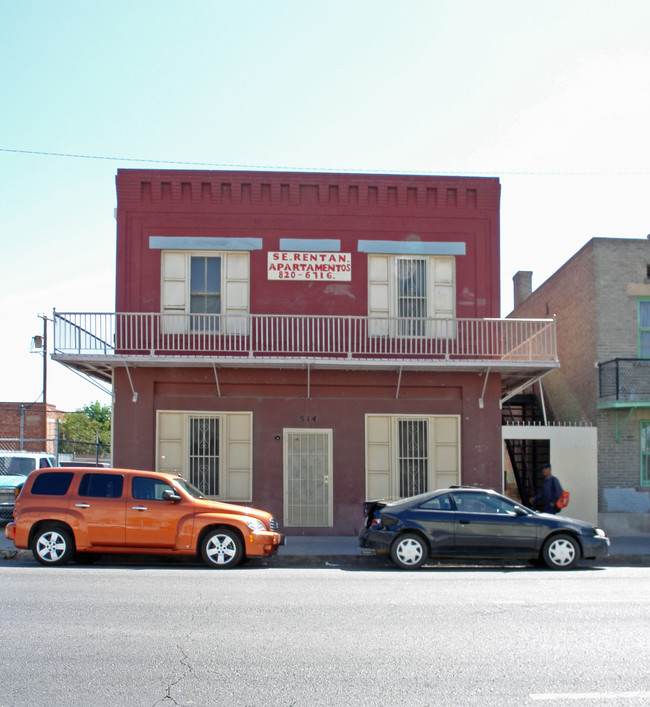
(369, 562)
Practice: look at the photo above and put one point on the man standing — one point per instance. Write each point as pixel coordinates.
(551, 491)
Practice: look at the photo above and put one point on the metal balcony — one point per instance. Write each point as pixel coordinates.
(624, 382)
(95, 343)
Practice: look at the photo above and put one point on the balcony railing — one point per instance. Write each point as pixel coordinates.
(286, 336)
(625, 379)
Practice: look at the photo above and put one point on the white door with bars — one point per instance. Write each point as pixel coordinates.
(308, 478)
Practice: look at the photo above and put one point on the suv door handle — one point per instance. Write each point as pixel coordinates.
(82, 505)
(139, 508)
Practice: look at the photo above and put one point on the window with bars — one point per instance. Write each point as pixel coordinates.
(412, 295)
(413, 456)
(645, 453)
(205, 291)
(204, 454)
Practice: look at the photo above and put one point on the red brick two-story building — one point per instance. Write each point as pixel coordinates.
(307, 341)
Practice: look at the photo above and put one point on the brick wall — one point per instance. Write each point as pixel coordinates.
(569, 296)
(31, 415)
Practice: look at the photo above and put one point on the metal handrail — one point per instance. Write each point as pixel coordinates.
(320, 336)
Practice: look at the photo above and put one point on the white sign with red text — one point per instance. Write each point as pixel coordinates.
(309, 266)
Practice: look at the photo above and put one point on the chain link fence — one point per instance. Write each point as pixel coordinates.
(69, 452)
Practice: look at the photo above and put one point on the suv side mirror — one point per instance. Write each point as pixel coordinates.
(170, 495)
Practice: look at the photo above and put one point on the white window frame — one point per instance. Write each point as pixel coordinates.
(235, 449)
(384, 296)
(175, 290)
(382, 452)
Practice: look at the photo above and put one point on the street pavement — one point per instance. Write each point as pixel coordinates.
(336, 551)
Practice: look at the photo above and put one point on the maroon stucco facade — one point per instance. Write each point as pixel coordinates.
(274, 206)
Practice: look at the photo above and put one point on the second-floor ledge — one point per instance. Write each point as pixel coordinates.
(624, 383)
(97, 342)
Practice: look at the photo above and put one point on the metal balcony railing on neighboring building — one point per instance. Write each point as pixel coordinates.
(624, 380)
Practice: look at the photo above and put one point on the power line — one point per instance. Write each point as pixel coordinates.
(223, 165)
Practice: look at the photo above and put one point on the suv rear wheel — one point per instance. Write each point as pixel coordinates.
(222, 548)
(53, 545)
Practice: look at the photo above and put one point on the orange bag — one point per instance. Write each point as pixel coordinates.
(563, 501)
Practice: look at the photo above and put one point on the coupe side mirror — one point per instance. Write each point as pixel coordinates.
(521, 511)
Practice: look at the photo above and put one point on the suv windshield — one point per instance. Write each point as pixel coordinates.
(189, 488)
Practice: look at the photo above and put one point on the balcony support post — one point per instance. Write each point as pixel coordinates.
(216, 378)
(128, 373)
(480, 400)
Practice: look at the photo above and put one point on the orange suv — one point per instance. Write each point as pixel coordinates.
(63, 512)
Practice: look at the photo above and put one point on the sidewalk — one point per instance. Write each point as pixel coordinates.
(345, 551)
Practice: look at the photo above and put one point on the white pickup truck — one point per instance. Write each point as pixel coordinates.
(14, 467)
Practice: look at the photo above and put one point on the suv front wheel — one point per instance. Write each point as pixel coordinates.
(53, 545)
(222, 548)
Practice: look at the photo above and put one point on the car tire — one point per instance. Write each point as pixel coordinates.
(409, 551)
(53, 545)
(222, 549)
(561, 552)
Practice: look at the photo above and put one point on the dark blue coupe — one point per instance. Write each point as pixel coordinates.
(472, 523)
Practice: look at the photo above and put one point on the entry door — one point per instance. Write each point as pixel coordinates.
(308, 478)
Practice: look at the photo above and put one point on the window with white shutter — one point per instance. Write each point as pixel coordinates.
(407, 294)
(206, 284)
(407, 455)
(211, 450)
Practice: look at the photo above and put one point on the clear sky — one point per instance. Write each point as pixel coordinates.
(552, 97)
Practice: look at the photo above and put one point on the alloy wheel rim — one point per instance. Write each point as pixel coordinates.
(221, 549)
(51, 546)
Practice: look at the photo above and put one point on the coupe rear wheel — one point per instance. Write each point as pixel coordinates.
(222, 548)
(409, 551)
(561, 552)
(53, 545)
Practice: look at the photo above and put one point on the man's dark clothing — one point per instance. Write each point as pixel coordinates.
(550, 493)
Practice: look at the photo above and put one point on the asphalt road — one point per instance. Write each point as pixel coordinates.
(170, 634)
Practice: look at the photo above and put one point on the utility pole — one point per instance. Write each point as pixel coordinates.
(41, 343)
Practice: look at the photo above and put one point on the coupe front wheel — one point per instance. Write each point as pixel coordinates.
(409, 551)
(222, 548)
(561, 552)
(53, 546)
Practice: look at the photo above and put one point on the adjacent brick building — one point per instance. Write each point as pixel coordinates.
(601, 298)
(22, 427)
(307, 341)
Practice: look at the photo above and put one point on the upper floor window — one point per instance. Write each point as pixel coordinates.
(205, 291)
(406, 293)
(213, 286)
(644, 328)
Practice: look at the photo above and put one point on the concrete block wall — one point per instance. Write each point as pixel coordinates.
(621, 271)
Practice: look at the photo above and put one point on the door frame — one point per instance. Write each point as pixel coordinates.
(329, 434)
